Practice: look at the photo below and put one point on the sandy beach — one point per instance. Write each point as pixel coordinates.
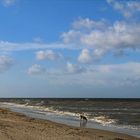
(15, 126)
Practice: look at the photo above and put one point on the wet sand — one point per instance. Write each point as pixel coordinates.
(15, 126)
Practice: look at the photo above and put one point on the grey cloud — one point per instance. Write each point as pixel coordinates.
(74, 68)
(127, 74)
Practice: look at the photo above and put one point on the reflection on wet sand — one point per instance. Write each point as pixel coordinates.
(83, 123)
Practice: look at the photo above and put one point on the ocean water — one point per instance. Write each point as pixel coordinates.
(118, 115)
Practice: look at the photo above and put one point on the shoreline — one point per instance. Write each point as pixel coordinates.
(16, 126)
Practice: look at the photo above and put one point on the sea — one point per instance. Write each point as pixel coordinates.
(117, 115)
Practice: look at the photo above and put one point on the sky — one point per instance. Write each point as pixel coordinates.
(70, 48)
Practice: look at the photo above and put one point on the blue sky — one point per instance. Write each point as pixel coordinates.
(73, 48)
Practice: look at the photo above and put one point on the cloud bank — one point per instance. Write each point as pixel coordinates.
(113, 75)
(114, 38)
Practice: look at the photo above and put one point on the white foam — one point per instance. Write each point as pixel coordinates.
(103, 120)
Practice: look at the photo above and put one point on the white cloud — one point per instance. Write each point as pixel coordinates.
(86, 23)
(6, 46)
(100, 38)
(127, 8)
(48, 55)
(5, 63)
(81, 27)
(85, 56)
(41, 55)
(36, 70)
(98, 53)
(113, 38)
(7, 3)
(73, 68)
(71, 36)
(120, 35)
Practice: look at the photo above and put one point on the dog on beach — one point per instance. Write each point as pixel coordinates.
(83, 121)
(82, 117)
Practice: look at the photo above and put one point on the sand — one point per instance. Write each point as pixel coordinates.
(15, 126)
